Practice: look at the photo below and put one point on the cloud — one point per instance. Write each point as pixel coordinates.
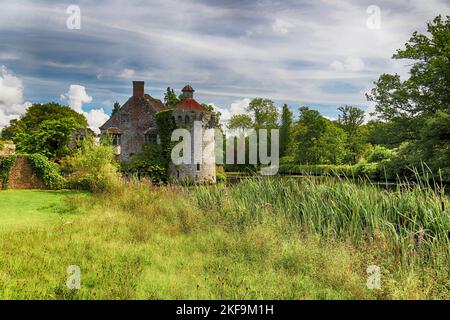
(281, 27)
(96, 118)
(127, 73)
(353, 64)
(237, 107)
(77, 95)
(12, 105)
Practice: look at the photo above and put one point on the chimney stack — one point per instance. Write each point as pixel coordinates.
(138, 89)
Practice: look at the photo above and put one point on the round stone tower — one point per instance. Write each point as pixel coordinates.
(192, 116)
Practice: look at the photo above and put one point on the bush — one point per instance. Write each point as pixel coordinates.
(6, 163)
(48, 171)
(149, 163)
(92, 167)
(378, 153)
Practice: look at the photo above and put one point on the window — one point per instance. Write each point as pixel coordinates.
(116, 140)
(151, 137)
(198, 166)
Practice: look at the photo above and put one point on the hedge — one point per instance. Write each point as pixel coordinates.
(6, 163)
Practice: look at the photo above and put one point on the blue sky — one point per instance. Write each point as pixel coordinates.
(318, 53)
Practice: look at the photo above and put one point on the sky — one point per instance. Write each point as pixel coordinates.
(317, 53)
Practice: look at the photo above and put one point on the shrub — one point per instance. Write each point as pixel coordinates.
(149, 163)
(378, 153)
(92, 167)
(48, 171)
(6, 163)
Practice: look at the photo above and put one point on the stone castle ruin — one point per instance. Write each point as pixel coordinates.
(135, 124)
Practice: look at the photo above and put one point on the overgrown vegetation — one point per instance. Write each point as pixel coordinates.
(259, 239)
(48, 171)
(6, 163)
(92, 167)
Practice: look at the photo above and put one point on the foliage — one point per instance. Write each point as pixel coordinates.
(351, 120)
(51, 139)
(317, 140)
(149, 163)
(35, 115)
(6, 163)
(92, 167)
(240, 122)
(378, 153)
(264, 113)
(170, 98)
(48, 171)
(285, 130)
(166, 125)
(116, 108)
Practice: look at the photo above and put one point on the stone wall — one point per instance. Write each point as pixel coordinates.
(22, 176)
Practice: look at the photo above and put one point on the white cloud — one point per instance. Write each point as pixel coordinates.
(281, 27)
(95, 118)
(12, 105)
(77, 95)
(237, 107)
(352, 64)
(127, 73)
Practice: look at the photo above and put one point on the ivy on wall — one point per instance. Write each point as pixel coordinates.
(166, 125)
(6, 163)
(48, 171)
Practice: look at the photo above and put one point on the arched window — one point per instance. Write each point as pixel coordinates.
(180, 119)
(187, 120)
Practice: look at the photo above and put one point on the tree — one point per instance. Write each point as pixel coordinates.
(317, 139)
(264, 112)
(417, 109)
(116, 108)
(240, 122)
(426, 90)
(170, 98)
(51, 139)
(351, 120)
(37, 114)
(285, 130)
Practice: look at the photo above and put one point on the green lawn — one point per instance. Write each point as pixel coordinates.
(20, 208)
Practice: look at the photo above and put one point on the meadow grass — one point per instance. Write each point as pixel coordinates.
(259, 239)
(19, 208)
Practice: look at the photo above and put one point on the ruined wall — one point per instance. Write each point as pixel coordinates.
(22, 176)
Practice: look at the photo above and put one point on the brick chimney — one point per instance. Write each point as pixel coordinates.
(138, 89)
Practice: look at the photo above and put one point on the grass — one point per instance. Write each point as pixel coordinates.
(21, 208)
(259, 239)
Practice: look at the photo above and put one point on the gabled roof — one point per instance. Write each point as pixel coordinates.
(189, 104)
(148, 101)
(155, 104)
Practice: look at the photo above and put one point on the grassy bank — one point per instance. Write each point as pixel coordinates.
(259, 239)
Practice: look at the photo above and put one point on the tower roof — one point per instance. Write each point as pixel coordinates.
(189, 104)
(187, 88)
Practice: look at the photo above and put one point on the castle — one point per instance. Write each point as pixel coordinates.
(135, 124)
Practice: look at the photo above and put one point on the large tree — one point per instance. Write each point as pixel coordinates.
(318, 140)
(45, 128)
(265, 113)
(285, 130)
(426, 91)
(37, 114)
(351, 120)
(417, 109)
(240, 122)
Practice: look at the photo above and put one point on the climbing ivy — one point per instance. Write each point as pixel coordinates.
(6, 163)
(48, 171)
(166, 125)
